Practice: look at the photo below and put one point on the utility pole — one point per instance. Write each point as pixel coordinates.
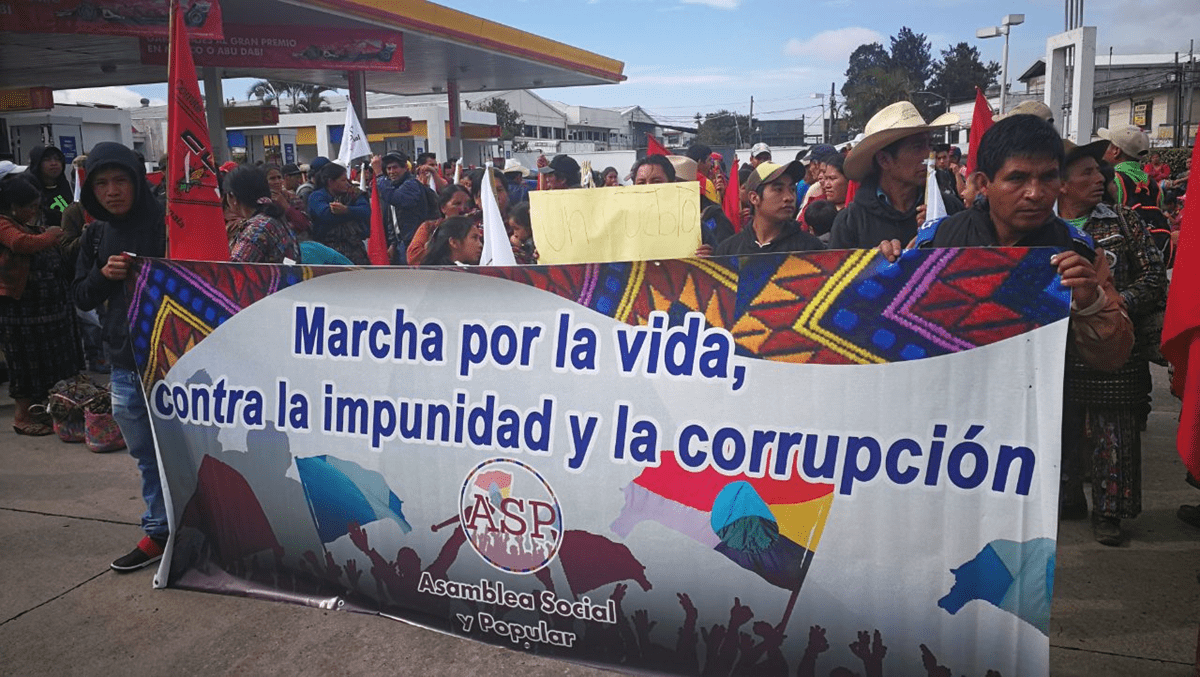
(832, 105)
(1191, 81)
(749, 122)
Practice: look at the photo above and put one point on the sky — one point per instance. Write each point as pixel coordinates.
(684, 57)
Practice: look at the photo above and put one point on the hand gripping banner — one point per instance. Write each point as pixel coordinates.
(779, 464)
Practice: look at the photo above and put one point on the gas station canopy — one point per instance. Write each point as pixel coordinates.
(440, 45)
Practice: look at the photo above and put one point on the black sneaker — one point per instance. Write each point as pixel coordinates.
(147, 552)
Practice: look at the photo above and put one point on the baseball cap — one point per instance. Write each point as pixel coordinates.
(562, 164)
(766, 172)
(229, 166)
(758, 149)
(819, 152)
(317, 163)
(290, 169)
(1130, 139)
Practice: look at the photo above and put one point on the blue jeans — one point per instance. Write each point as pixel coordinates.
(129, 410)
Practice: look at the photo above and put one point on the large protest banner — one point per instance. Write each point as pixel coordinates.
(779, 464)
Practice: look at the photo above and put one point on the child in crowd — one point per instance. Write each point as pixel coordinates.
(819, 216)
(520, 233)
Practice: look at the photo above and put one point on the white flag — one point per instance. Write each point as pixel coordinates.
(935, 206)
(497, 251)
(458, 169)
(79, 182)
(354, 141)
(585, 169)
(432, 183)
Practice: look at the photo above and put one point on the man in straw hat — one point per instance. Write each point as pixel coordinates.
(771, 189)
(889, 164)
(515, 174)
(1019, 174)
(1127, 149)
(1104, 412)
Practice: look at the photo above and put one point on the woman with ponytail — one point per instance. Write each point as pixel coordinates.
(258, 234)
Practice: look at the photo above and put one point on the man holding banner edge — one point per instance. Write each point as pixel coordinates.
(1020, 175)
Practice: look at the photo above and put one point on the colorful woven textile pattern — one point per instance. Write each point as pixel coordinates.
(835, 307)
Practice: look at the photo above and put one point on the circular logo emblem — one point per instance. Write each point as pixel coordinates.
(510, 515)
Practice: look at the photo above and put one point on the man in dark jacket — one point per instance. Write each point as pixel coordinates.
(771, 189)
(47, 171)
(889, 164)
(406, 202)
(1020, 174)
(128, 221)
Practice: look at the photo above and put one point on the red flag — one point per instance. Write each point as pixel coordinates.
(653, 147)
(195, 219)
(732, 202)
(377, 245)
(981, 121)
(1181, 327)
(851, 189)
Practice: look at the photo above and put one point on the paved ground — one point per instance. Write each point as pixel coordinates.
(65, 513)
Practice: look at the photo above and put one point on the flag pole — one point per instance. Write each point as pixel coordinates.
(787, 612)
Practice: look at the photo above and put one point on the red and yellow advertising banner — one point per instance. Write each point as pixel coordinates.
(110, 17)
(291, 47)
(195, 218)
(26, 98)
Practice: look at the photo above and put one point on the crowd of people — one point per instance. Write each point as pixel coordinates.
(1114, 219)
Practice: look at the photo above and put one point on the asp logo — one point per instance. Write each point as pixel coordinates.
(511, 516)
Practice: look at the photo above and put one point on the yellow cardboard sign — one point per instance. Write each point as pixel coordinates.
(622, 223)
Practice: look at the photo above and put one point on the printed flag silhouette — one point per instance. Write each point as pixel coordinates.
(225, 509)
(341, 492)
(195, 218)
(1181, 327)
(590, 561)
(768, 526)
(1017, 577)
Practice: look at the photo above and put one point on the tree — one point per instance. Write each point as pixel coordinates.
(722, 128)
(912, 52)
(960, 71)
(268, 91)
(878, 87)
(305, 98)
(877, 77)
(863, 59)
(510, 121)
(309, 99)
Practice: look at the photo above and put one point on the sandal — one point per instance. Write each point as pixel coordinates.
(33, 429)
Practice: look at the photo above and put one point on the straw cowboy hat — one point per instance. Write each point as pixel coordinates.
(514, 166)
(1036, 108)
(685, 167)
(891, 124)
